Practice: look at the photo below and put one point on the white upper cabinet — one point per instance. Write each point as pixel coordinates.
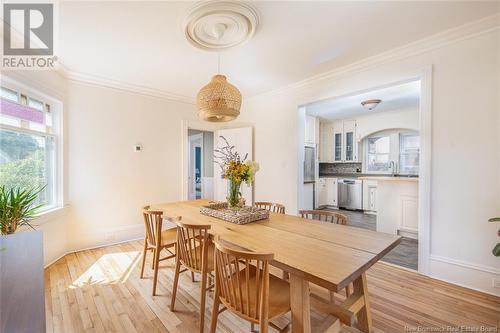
(339, 142)
(310, 130)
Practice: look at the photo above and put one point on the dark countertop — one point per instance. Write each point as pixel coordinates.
(355, 175)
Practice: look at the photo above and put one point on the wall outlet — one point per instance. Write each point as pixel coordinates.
(496, 283)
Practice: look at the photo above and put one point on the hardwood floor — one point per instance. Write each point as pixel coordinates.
(100, 291)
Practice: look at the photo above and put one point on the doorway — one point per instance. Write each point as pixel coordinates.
(369, 165)
(200, 164)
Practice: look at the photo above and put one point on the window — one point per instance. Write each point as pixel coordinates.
(28, 145)
(392, 149)
(409, 152)
(379, 153)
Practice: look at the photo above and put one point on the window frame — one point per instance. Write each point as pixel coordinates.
(394, 151)
(56, 134)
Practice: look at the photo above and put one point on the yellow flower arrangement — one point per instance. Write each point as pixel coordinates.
(235, 170)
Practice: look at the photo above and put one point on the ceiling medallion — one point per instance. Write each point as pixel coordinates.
(218, 25)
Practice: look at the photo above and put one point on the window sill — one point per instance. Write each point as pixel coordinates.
(50, 214)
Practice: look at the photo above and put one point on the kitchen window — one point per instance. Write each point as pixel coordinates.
(28, 145)
(396, 149)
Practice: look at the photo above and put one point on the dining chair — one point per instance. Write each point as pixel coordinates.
(245, 287)
(195, 251)
(329, 217)
(324, 215)
(156, 240)
(272, 207)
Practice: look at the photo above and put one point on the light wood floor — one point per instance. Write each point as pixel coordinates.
(100, 291)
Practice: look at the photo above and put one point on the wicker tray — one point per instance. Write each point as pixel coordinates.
(241, 215)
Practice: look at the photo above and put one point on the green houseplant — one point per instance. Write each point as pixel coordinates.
(496, 249)
(17, 207)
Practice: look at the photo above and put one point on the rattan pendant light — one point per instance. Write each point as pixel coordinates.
(219, 25)
(219, 100)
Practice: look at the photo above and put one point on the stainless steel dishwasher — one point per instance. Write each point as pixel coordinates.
(350, 193)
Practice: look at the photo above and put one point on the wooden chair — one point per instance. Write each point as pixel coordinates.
(195, 251)
(324, 215)
(156, 240)
(245, 287)
(272, 207)
(330, 217)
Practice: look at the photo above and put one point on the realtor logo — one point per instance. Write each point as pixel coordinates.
(34, 22)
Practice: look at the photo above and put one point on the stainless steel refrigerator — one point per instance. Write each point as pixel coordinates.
(309, 177)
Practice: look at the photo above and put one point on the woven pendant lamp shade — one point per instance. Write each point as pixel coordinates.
(219, 100)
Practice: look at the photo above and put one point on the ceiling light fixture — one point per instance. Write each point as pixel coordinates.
(371, 104)
(215, 26)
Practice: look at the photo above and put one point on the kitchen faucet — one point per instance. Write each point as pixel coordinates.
(392, 165)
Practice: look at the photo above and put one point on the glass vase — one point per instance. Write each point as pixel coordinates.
(233, 194)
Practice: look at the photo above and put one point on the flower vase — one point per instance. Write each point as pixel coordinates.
(233, 194)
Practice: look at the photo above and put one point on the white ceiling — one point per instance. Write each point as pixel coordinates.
(402, 96)
(142, 43)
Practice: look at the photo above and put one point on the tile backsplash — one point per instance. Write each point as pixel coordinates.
(339, 168)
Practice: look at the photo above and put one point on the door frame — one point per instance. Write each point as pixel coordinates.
(424, 74)
(185, 126)
(192, 144)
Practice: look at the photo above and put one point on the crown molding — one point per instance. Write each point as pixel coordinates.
(454, 35)
(436, 41)
(123, 86)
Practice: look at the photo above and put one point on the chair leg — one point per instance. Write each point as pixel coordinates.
(252, 326)
(203, 299)
(144, 252)
(176, 280)
(153, 262)
(156, 268)
(192, 277)
(215, 311)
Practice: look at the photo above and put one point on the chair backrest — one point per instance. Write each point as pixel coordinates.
(242, 279)
(153, 220)
(192, 245)
(270, 206)
(324, 215)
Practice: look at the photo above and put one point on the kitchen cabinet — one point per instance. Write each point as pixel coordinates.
(370, 195)
(331, 191)
(349, 143)
(326, 192)
(310, 130)
(338, 142)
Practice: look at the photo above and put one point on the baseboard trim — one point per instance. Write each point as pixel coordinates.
(90, 248)
(465, 264)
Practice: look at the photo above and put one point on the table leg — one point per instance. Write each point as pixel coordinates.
(299, 299)
(364, 314)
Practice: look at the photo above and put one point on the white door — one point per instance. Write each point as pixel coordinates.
(242, 140)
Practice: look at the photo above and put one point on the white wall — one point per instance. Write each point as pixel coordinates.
(108, 181)
(465, 143)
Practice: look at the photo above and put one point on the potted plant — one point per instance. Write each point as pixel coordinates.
(17, 208)
(496, 249)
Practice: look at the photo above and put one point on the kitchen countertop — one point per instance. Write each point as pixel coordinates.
(390, 178)
(368, 176)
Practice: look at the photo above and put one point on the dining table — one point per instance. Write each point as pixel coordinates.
(328, 255)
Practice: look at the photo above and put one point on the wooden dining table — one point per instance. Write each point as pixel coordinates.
(325, 254)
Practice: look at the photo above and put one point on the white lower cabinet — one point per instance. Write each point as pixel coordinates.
(332, 189)
(326, 192)
(370, 195)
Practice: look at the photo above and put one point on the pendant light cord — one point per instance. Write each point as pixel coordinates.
(218, 62)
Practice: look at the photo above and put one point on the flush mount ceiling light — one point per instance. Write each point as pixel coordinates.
(371, 104)
(216, 26)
